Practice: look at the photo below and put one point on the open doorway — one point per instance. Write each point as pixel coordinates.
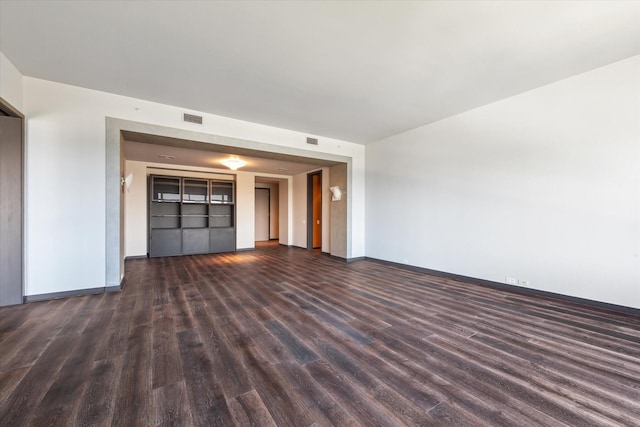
(188, 150)
(268, 209)
(263, 200)
(314, 210)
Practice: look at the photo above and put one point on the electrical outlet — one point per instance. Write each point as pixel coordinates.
(523, 282)
(511, 281)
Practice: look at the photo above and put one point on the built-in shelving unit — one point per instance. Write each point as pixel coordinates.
(190, 216)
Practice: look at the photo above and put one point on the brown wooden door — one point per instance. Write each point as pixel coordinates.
(10, 210)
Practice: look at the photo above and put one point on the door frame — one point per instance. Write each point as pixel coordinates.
(9, 110)
(310, 176)
(114, 137)
(268, 213)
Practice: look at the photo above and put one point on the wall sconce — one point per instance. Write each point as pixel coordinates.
(127, 182)
(233, 163)
(336, 193)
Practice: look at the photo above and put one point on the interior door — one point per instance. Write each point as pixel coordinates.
(262, 215)
(10, 210)
(314, 210)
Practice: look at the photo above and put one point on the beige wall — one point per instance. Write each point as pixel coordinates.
(339, 212)
(245, 211)
(326, 211)
(136, 220)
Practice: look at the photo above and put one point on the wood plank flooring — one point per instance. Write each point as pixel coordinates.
(286, 337)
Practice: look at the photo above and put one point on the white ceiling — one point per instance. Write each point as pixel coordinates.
(353, 70)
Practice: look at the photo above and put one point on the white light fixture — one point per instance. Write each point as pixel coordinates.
(233, 163)
(126, 182)
(336, 193)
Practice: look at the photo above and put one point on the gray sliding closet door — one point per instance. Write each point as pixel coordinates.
(10, 210)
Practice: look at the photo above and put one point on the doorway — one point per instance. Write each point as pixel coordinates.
(262, 216)
(119, 131)
(314, 210)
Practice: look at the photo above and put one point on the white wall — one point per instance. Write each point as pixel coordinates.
(10, 83)
(65, 177)
(285, 196)
(245, 211)
(136, 206)
(274, 211)
(357, 218)
(300, 210)
(543, 186)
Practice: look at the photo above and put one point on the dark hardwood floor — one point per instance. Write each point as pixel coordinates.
(287, 337)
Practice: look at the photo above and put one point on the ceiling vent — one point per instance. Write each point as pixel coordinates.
(312, 141)
(192, 118)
